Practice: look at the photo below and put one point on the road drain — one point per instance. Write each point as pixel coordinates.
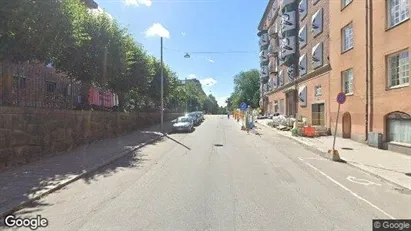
(218, 145)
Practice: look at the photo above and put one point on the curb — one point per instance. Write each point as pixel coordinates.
(84, 173)
(328, 156)
(319, 152)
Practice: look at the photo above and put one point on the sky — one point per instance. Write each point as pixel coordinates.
(190, 26)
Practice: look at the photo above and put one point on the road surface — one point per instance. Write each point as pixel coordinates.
(220, 178)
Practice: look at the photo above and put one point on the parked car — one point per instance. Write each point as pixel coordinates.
(196, 118)
(183, 123)
(201, 114)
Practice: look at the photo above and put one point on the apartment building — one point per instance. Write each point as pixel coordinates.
(296, 80)
(369, 53)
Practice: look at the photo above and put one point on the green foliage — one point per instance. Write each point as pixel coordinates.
(92, 48)
(246, 89)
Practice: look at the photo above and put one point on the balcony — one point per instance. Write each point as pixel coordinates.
(288, 21)
(264, 57)
(288, 46)
(264, 72)
(264, 41)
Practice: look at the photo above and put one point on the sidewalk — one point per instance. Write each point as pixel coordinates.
(391, 166)
(24, 184)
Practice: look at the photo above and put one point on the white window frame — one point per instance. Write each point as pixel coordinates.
(347, 37)
(398, 14)
(348, 78)
(399, 72)
(345, 3)
(318, 90)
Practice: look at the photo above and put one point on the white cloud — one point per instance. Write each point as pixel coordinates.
(183, 34)
(157, 30)
(211, 60)
(208, 82)
(221, 101)
(137, 2)
(192, 76)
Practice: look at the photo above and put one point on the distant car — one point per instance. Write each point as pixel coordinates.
(183, 123)
(196, 117)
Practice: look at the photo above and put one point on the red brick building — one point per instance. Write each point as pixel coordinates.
(364, 50)
(298, 83)
(370, 63)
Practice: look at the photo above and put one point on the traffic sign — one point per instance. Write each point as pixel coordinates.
(341, 97)
(243, 106)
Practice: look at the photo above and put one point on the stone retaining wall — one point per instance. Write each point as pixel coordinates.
(27, 134)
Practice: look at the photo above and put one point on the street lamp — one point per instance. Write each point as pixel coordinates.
(162, 86)
(187, 56)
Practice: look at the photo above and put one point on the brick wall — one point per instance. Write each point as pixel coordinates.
(27, 134)
(340, 61)
(387, 42)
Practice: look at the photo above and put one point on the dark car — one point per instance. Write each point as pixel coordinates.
(183, 123)
(196, 117)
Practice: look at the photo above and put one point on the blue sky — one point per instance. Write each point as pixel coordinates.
(196, 26)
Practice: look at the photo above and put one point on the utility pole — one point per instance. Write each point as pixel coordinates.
(185, 86)
(162, 87)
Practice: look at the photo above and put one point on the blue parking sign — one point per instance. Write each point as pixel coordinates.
(243, 106)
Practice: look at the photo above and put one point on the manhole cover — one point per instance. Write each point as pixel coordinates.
(347, 149)
(218, 145)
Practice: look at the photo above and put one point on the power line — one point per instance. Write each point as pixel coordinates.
(212, 52)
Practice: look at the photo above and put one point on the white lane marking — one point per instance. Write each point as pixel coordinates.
(361, 181)
(347, 189)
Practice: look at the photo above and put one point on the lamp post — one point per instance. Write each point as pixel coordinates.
(187, 56)
(162, 86)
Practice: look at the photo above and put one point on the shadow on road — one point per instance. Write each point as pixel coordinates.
(22, 183)
(178, 142)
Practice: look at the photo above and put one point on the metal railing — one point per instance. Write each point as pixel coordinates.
(35, 85)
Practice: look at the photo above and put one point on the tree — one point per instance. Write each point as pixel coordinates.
(246, 89)
(211, 105)
(85, 57)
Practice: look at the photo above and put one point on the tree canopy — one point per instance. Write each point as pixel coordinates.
(91, 47)
(246, 89)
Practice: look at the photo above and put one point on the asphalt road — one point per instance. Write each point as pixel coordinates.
(220, 178)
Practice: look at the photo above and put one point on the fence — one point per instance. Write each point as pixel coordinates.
(35, 85)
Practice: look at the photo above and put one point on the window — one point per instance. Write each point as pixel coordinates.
(317, 22)
(398, 69)
(318, 90)
(281, 107)
(345, 3)
(50, 86)
(397, 12)
(347, 79)
(399, 127)
(318, 114)
(347, 38)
